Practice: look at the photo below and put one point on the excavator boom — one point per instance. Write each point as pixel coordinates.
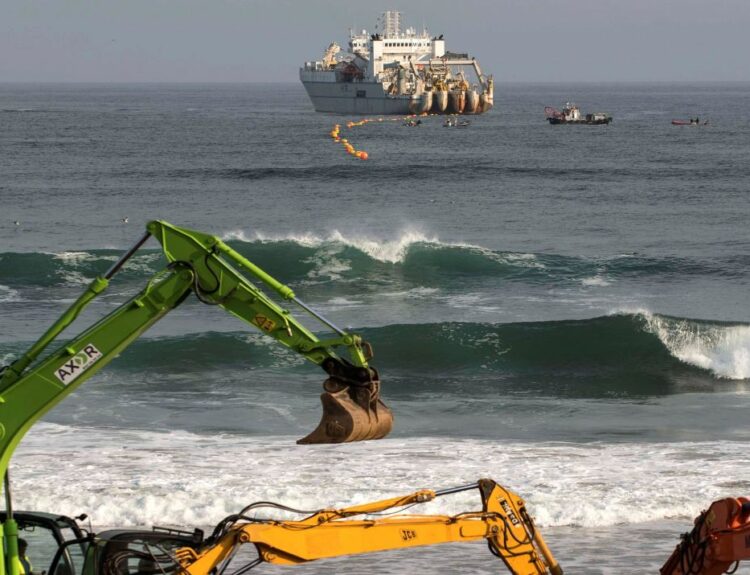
(205, 265)
(502, 521)
(719, 540)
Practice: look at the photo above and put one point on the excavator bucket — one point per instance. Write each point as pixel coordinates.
(351, 412)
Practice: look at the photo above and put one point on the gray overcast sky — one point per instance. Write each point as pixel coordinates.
(263, 40)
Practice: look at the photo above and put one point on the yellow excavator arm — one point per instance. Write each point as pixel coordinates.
(503, 522)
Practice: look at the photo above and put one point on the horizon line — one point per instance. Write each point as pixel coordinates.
(297, 82)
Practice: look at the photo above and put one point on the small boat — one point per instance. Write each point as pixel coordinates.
(453, 122)
(571, 114)
(690, 122)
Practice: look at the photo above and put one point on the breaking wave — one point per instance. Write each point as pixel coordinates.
(724, 350)
(616, 353)
(412, 256)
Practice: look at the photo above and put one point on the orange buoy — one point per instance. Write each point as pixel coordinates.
(363, 155)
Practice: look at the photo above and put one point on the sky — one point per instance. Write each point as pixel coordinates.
(267, 41)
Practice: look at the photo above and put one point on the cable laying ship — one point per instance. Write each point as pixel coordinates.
(396, 72)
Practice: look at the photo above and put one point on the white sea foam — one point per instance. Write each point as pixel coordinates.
(73, 277)
(307, 240)
(414, 293)
(8, 294)
(128, 477)
(516, 259)
(140, 263)
(75, 257)
(342, 302)
(327, 263)
(476, 302)
(331, 269)
(595, 281)
(391, 250)
(722, 349)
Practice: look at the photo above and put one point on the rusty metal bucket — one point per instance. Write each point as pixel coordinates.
(351, 412)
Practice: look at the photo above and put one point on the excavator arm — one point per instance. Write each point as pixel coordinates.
(719, 540)
(503, 522)
(202, 264)
(217, 275)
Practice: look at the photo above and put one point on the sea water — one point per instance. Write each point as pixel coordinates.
(561, 308)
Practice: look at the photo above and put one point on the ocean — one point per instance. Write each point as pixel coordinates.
(561, 308)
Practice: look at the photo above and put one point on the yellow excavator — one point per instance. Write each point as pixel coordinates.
(502, 521)
(217, 275)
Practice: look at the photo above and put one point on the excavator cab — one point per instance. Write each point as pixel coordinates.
(120, 552)
(58, 546)
(56, 543)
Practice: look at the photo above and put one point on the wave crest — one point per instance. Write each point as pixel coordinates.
(387, 251)
(410, 258)
(724, 350)
(632, 354)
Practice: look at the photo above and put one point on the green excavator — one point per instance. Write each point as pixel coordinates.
(204, 265)
(352, 411)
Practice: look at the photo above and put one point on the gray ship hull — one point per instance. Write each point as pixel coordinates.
(360, 98)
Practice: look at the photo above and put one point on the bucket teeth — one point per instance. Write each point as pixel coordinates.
(350, 413)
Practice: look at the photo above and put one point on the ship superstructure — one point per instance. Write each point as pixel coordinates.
(395, 71)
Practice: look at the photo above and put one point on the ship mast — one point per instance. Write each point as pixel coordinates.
(392, 23)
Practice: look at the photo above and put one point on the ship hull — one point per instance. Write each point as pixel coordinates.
(597, 122)
(360, 98)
